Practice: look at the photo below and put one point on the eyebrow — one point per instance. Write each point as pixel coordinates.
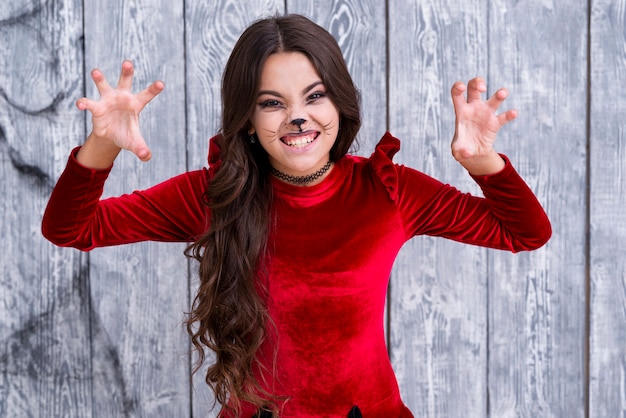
(304, 91)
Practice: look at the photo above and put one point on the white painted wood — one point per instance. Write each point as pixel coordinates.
(537, 300)
(607, 264)
(44, 327)
(438, 294)
(140, 292)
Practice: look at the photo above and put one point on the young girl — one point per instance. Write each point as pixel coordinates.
(295, 238)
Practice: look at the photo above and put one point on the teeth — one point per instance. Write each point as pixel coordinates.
(298, 142)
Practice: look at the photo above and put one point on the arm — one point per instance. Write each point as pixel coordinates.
(76, 217)
(509, 217)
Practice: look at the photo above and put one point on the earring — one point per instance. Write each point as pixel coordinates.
(252, 138)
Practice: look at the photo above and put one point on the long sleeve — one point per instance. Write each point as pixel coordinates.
(509, 217)
(77, 217)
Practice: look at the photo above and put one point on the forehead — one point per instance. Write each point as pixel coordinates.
(288, 69)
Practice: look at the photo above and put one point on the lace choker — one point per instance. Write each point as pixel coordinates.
(302, 180)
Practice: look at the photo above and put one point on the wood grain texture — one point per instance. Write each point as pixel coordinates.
(537, 300)
(140, 292)
(44, 330)
(438, 299)
(212, 30)
(607, 264)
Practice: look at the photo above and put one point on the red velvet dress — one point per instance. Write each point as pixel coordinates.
(332, 254)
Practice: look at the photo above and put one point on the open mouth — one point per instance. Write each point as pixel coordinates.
(300, 140)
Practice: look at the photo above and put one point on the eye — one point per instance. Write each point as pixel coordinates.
(270, 103)
(315, 96)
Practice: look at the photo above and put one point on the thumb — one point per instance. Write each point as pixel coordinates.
(462, 153)
(141, 150)
(462, 150)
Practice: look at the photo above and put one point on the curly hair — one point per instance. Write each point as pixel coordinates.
(230, 314)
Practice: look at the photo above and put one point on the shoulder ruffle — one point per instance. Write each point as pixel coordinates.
(383, 166)
(215, 155)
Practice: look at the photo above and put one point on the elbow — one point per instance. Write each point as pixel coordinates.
(51, 228)
(53, 235)
(545, 232)
(60, 237)
(48, 232)
(541, 235)
(542, 238)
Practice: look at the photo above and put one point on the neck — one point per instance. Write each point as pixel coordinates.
(302, 180)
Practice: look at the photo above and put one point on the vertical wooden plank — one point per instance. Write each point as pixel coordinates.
(438, 293)
(140, 292)
(44, 304)
(537, 311)
(359, 28)
(212, 30)
(607, 395)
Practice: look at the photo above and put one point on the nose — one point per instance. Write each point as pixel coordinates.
(298, 122)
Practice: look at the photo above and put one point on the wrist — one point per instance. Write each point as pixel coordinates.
(484, 165)
(97, 152)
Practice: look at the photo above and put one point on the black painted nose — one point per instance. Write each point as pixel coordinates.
(298, 122)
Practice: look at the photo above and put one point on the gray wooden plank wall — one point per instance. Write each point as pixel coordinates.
(472, 332)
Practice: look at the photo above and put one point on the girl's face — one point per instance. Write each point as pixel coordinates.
(294, 119)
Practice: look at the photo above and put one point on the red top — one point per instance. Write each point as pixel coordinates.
(332, 252)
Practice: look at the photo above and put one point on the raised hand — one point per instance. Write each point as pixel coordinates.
(115, 115)
(477, 125)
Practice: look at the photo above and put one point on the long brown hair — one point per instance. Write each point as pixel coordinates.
(230, 311)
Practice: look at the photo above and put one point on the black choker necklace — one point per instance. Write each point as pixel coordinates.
(302, 180)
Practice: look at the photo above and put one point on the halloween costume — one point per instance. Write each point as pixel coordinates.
(332, 252)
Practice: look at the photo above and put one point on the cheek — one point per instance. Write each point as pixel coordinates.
(267, 122)
(327, 117)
